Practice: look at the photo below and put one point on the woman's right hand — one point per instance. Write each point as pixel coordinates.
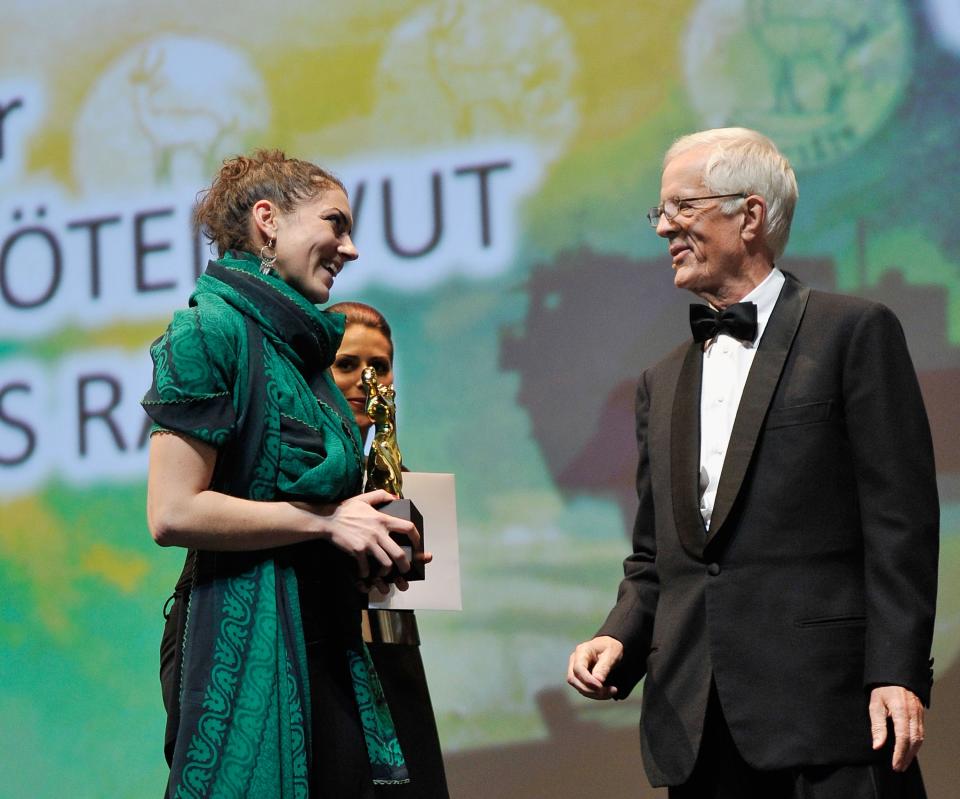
(360, 530)
(183, 511)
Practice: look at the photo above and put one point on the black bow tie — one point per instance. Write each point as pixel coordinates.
(739, 321)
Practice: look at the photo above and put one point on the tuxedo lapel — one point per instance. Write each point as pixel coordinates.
(757, 393)
(685, 453)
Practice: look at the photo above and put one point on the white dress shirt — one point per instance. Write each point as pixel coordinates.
(726, 364)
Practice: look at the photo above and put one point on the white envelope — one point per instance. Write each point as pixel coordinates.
(436, 499)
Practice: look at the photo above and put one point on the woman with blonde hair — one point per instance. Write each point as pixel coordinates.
(392, 635)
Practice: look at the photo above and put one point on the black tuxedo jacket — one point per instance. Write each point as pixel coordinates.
(817, 579)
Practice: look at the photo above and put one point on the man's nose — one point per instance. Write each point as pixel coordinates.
(666, 227)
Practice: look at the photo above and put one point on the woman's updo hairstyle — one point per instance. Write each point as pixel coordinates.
(223, 210)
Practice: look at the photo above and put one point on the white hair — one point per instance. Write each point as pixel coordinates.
(744, 161)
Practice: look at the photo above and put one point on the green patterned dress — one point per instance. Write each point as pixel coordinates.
(269, 689)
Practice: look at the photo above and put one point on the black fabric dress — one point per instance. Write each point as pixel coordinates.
(400, 668)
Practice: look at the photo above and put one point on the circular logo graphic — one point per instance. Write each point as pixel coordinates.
(818, 77)
(480, 70)
(165, 113)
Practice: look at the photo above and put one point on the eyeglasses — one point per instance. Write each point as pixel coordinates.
(671, 208)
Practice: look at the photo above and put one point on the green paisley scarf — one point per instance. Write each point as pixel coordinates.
(220, 372)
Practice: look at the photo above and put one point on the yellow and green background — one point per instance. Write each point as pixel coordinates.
(500, 158)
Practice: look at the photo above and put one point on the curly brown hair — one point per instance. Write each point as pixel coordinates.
(223, 211)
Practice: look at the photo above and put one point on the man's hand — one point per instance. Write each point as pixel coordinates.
(590, 665)
(906, 710)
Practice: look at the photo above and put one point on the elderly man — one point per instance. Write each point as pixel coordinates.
(780, 594)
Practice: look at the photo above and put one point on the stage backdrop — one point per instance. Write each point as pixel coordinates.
(500, 156)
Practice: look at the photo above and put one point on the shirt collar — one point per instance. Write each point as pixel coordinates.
(765, 297)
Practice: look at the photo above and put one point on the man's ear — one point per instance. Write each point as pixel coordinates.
(754, 214)
(265, 215)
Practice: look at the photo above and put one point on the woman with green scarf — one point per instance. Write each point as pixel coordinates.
(256, 469)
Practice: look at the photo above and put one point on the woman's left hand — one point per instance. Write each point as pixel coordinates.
(400, 582)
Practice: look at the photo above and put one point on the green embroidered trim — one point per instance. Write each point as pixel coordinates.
(304, 422)
(184, 400)
(345, 426)
(383, 749)
(289, 295)
(252, 737)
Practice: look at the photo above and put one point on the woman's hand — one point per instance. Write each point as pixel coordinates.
(183, 511)
(360, 530)
(400, 582)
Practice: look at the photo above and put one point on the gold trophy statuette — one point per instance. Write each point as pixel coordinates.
(384, 465)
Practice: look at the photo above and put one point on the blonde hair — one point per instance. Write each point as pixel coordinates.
(745, 161)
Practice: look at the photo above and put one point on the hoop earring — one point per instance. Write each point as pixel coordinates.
(268, 259)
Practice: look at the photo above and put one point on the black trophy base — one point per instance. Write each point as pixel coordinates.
(405, 509)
